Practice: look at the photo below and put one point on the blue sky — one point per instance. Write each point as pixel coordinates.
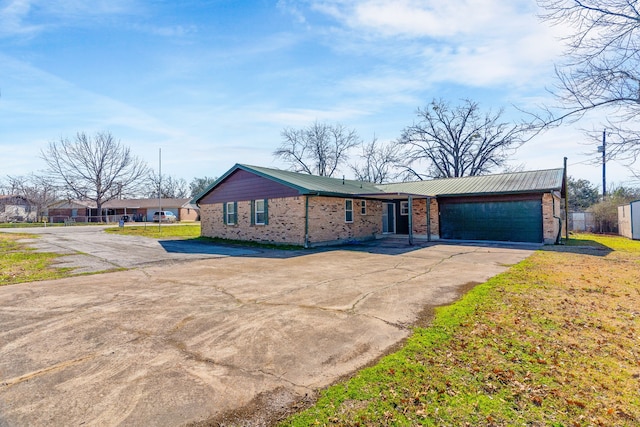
(213, 83)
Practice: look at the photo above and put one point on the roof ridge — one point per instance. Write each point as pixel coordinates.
(492, 174)
(304, 174)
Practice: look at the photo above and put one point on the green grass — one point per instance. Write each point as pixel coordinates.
(551, 342)
(26, 224)
(18, 263)
(181, 231)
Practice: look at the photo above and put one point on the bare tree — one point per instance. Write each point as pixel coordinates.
(38, 189)
(601, 70)
(318, 149)
(198, 185)
(170, 187)
(96, 168)
(457, 141)
(378, 162)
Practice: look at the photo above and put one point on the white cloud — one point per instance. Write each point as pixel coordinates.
(432, 18)
(12, 16)
(467, 42)
(32, 17)
(292, 8)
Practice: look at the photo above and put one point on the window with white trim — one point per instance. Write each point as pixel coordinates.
(231, 213)
(363, 207)
(404, 208)
(260, 212)
(348, 210)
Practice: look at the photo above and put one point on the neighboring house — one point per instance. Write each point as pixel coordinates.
(143, 209)
(65, 210)
(271, 205)
(113, 210)
(17, 209)
(629, 220)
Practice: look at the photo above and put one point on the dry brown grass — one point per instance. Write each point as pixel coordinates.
(552, 342)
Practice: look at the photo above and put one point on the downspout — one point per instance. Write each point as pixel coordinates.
(559, 236)
(306, 221)
(428, 219)
(410, 220)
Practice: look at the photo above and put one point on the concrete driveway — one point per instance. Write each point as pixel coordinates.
(233, 338)
(89, 249)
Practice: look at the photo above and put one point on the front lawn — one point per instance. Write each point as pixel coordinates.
(18, 263)
(554, 341)
(181, 231)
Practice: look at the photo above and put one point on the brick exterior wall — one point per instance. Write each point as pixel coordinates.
(551, 208)
(285, 217)
(420, 219)
(188, 214)
(327, 220)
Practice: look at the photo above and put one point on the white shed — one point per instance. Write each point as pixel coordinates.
(629, 220)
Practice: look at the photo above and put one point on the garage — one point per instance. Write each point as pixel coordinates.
(515, 220)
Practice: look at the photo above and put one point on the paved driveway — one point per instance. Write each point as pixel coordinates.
(177, 343)
(90, 249)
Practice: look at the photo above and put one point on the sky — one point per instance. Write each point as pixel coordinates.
(212, 83)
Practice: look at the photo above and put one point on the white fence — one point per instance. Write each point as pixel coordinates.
(582, 221)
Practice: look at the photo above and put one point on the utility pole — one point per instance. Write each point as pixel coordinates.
(603, 149)
(566, 202)
(159, 188)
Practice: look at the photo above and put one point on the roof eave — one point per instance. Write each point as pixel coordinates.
(500, 193)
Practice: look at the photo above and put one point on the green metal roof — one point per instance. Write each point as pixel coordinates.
(302, 182)
(506, 183)
(313, 184)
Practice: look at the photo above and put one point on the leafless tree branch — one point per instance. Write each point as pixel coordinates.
(458, 141)
(601, 69)
(318, 149)
(96, 168)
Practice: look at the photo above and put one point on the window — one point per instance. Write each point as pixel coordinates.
(230, 213)
(404, 208)
(348, 210)
(363, 207)
(260, 212)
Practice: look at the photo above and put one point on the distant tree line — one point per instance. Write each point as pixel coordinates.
(445, 141)
(95, 168)
(583, 196)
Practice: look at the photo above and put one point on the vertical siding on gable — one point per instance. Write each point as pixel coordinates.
(242, 185)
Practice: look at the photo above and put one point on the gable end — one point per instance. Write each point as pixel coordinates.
(242, 185)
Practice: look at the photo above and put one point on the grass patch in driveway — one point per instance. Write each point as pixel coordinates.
(551, 342)
(18, 263)
(182, 231)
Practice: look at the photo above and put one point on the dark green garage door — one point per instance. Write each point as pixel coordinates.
(514, 221)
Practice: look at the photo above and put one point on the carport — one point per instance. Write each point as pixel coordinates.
(393, 219)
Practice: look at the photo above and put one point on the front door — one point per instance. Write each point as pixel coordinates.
(388, 218)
